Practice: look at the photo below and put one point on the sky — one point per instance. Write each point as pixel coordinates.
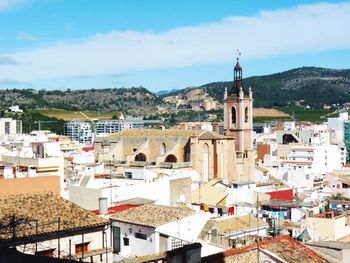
(164, 45)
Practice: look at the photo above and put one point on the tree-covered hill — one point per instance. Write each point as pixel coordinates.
(313, 86)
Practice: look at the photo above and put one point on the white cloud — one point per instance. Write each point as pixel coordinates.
(303, 29)
(9, 4)
(26, 36)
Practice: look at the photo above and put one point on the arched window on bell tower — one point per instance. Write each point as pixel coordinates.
(233, 115)
(246, 116)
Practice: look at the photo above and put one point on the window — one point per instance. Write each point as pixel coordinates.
(246, 114)
(233, 115)
(162, 149)
(79, 248)
(126, 241)
(245, 155)
(128, 175)
(141, 236)
(45, 253)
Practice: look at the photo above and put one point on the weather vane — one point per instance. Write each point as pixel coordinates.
(238, 54)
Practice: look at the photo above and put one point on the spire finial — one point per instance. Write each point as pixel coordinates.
(238, 54)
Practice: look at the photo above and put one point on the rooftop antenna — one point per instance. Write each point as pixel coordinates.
(110, 182)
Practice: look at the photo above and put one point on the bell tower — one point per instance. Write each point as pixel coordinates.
(238, 122)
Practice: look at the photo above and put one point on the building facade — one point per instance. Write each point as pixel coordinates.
(9, 126)
(113, 126)
(79, 131)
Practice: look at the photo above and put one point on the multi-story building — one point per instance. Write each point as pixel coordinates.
(113, 126)
(79, 131)
(9, 126)
(336, 127)
(347, 140)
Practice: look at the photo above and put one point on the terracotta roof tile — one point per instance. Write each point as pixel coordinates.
(152, 215)
(47, 208)
(291, 250)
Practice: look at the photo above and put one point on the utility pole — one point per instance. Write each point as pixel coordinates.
(110, 181)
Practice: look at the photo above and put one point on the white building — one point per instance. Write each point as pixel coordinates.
(336, 126)
(113, 126)
(15, 109)
(150, 229)
(338, 182)
(79, 131)
(10, 126)
(306, 166)
(165, 191)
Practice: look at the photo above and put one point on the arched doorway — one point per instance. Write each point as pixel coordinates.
(140, 157)
(171, 159)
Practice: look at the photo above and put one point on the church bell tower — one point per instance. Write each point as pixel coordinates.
(238, 122)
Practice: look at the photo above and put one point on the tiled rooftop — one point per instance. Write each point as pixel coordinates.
(201, 134)
(245, 254)
(291, 250)
(46, 208)
(155, 133)
(152, 215)
(284, 247)
(228, 225)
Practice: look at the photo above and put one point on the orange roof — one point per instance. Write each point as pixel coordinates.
(285, 247)
(291, 250)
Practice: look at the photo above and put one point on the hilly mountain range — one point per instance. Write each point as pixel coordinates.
(134, 101)
(307, 85)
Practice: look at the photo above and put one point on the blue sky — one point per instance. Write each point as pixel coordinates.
(60, 44)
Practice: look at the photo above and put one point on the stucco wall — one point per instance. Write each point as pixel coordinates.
(30, 185)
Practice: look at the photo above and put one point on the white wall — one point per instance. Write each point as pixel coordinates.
(96, 242)
(137, 247)
(86, 198)
(187, 228)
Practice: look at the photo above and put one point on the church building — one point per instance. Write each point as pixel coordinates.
(229, 156)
